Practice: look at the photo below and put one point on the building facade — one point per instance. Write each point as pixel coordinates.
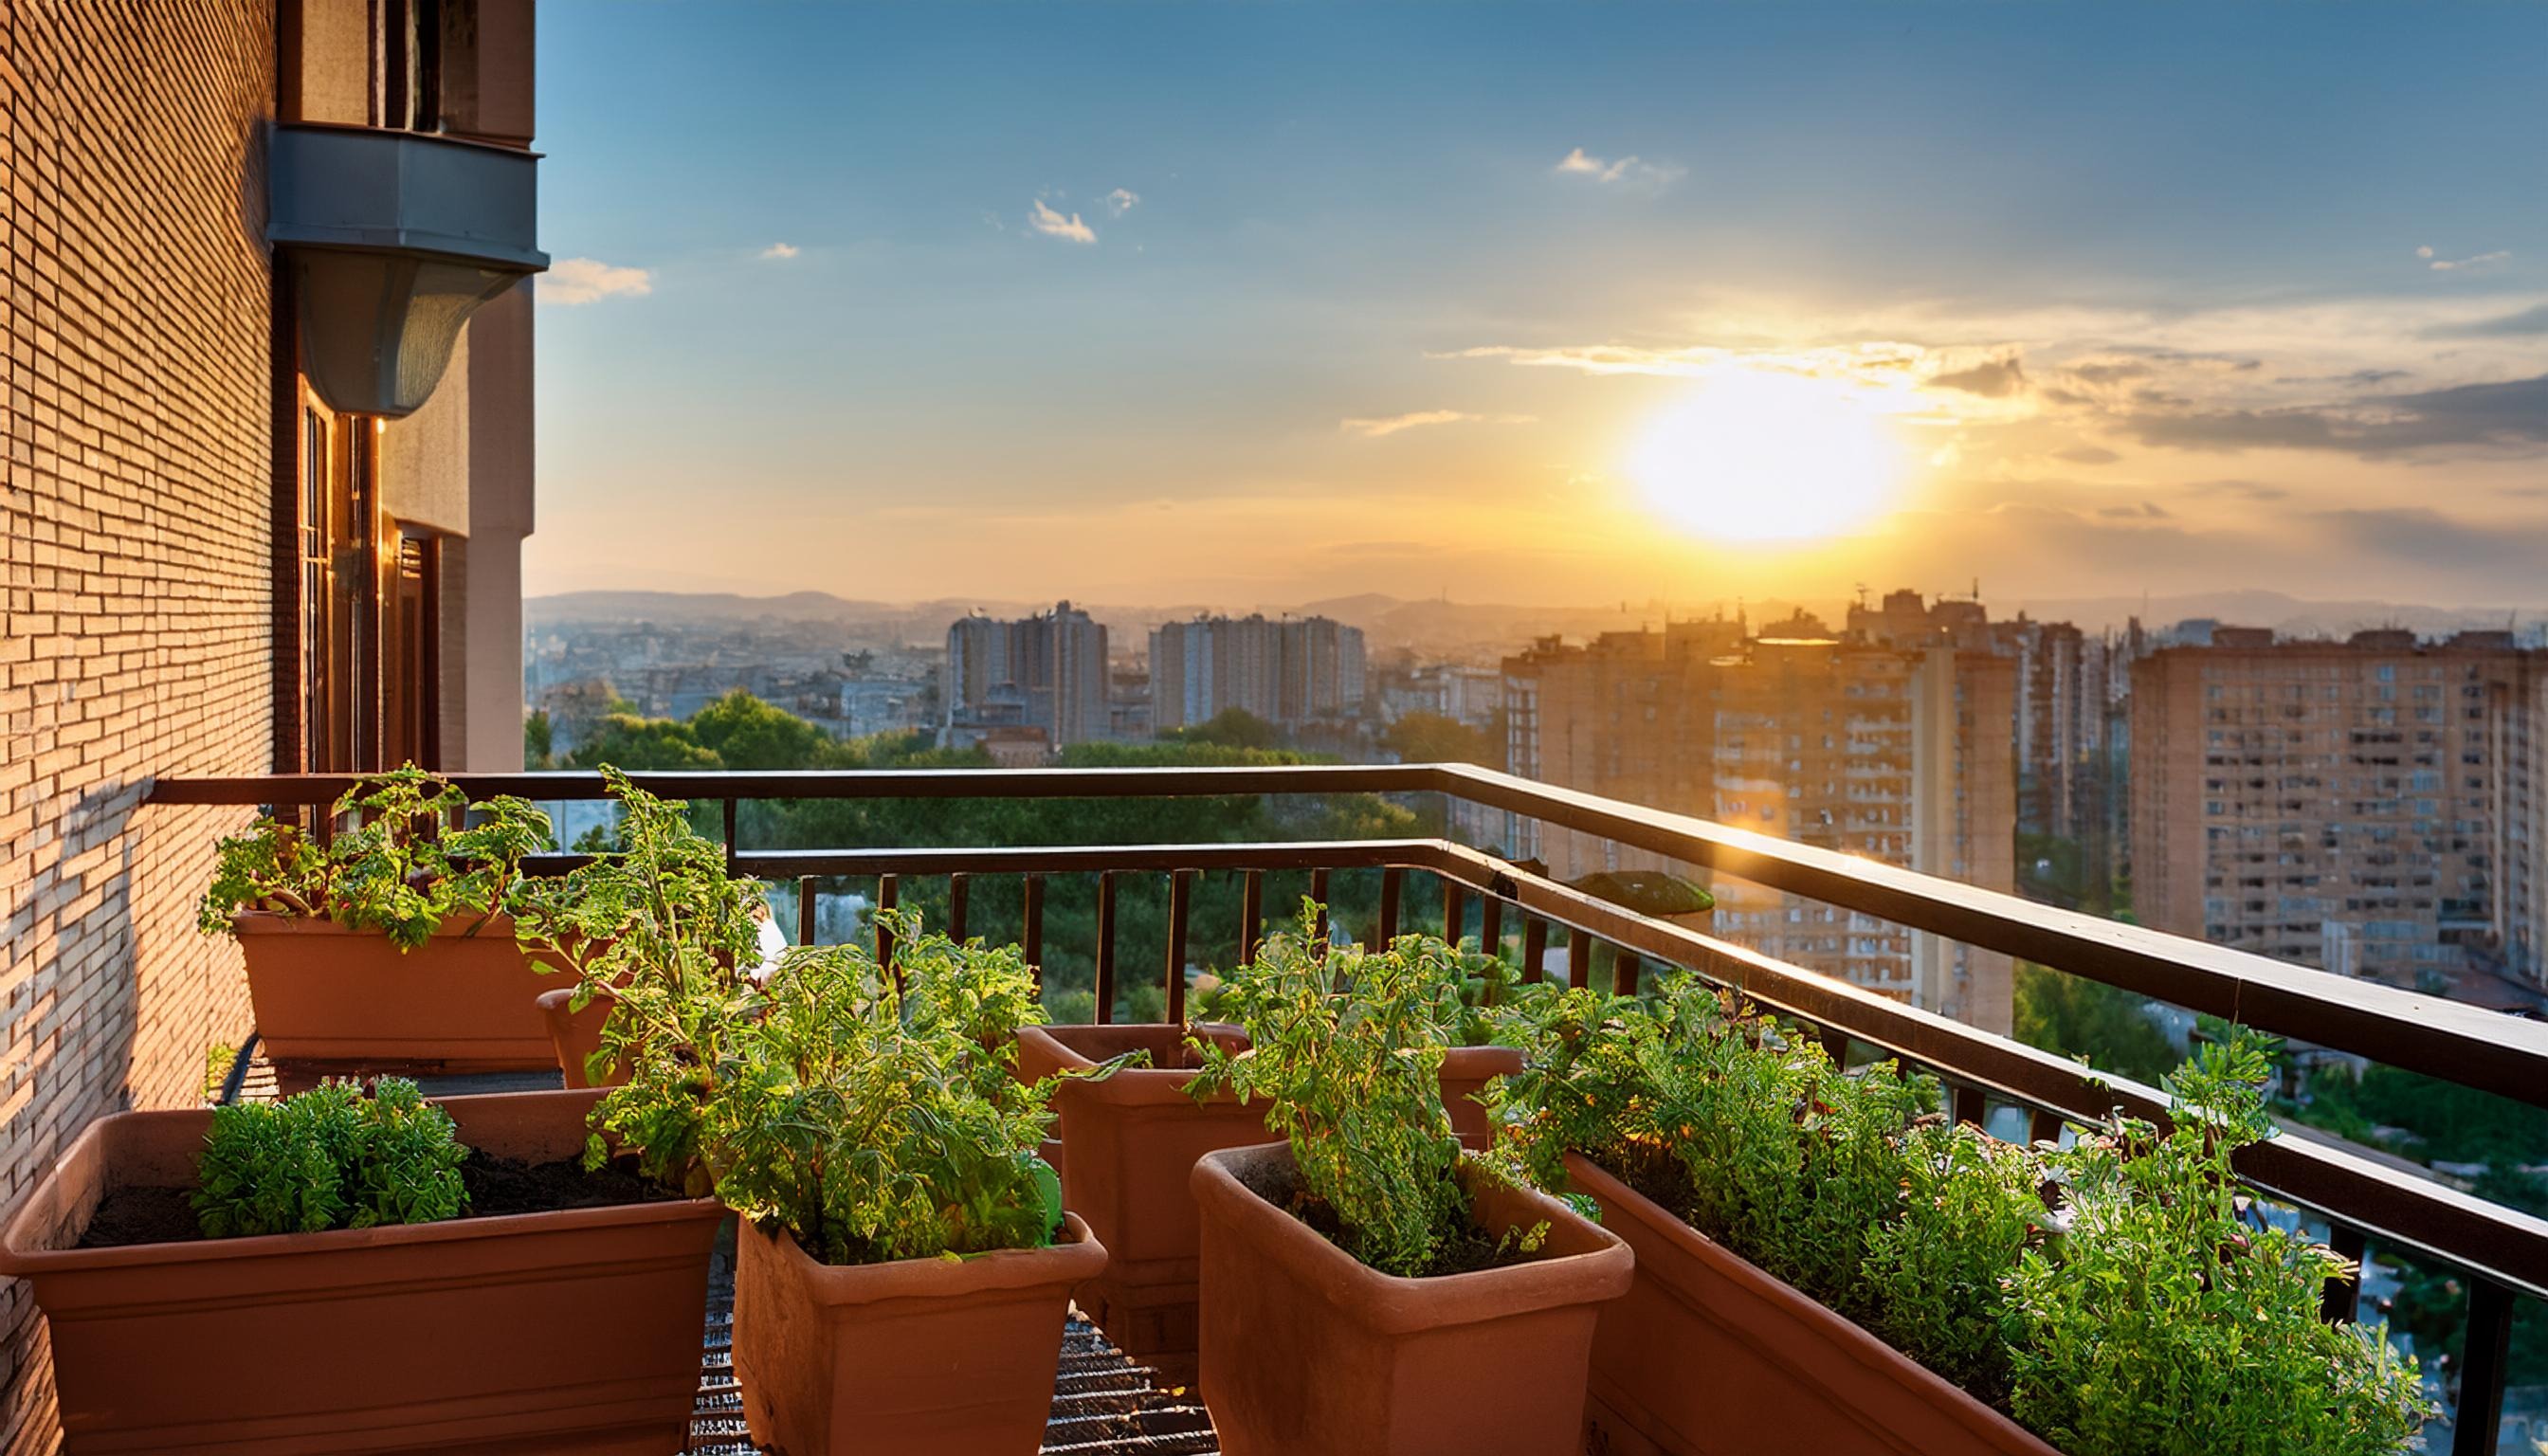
(1292, 672)
(2367, 806)
(1904, 756)
(1048, 671)
(210, 569)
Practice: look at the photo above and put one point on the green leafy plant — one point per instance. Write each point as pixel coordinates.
(2145, 1314)
(874, 1114)
(328, 1158)
(657, 924)
(405, 866)
(2167, 1322)
(1345, 1049)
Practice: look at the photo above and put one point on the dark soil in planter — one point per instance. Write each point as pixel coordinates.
(1281, 1186)
(498, 1186)
(142, 1215)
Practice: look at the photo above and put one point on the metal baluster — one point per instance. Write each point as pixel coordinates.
(1625, 969)
(958, 890)
(2477, 1426)
(1251, 914)
(1319, 893)
(1105, 947)
(1970, 1106)
(805, 910)
(2337, 1302)
(1534, 948)
(729, 836)
(2044, 1125)
(888, 895)
(1579, 956)
(1180, 912)
(1031, 927)
(1454, 910)
(1392, 880)
(1490, 926)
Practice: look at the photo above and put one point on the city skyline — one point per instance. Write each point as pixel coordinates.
(1372, 317)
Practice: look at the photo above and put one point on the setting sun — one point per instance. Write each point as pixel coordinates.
(1761, 456)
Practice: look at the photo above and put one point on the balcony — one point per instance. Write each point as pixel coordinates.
(2359, 1197)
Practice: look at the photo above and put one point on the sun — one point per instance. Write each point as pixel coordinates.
(1755, 455)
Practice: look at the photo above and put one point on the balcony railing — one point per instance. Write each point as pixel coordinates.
(2361, 1197)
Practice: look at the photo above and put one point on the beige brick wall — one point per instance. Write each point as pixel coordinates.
(136, 636)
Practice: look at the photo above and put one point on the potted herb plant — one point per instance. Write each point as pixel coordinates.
(656, 918)
(1826, 1263)
(1364, 1284)
(440, 1274)
(388, 944)
(904, 1270)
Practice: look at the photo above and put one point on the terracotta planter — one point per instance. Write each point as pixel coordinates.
(1133, 1141)
(930, 1358)
(462, 1001)
(1466, 1070)
(576, 1035)
(1308, 1352)
(1710, 1356)
(574, 1330)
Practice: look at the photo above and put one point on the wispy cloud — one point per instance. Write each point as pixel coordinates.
(1372, 429)
(2451, 265)
(1120, 201)
(574, 281)
(781, 251)
(2531, 321)
(1633, 172)
(1050, 224)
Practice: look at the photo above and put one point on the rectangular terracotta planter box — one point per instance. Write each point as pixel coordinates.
(1309, 1352)
(919, 1357)
(576, 1331)
(1710, 1356)
(1133, 1141)
(462, 1001)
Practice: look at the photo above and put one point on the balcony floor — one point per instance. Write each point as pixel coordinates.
(1102, 1403)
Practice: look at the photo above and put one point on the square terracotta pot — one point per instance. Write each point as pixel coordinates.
(462, 1001)
(1708, 1355)
(1309, 1352)
(576, 1331)
(1133, 1141)
(919, 1357)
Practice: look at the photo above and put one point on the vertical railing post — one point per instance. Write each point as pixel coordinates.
(1318, 894)
(1251, 914)
(805, 921)
(1579, 956)
(1454, 910)
(1180, 913)
(1970, 1105)
(888, 895)
(2044, 1125)
(1624, 967)
(2477, 1427)
(1836, 1047)
(1534, 948)
(1392, 880)
(958, 890)
(2336, 1303)
(728, 807)
(1490, 926)
(1031, 925)
(1105, 947)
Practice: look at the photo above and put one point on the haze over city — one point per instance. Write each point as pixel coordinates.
(1227, 305)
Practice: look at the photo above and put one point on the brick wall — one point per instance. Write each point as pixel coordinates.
(135, 635)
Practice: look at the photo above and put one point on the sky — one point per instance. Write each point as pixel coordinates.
(1256, 304)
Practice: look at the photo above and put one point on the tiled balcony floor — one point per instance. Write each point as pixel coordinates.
(1102, 1403)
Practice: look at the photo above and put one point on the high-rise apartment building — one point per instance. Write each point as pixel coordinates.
(1048, 671)
(1899, 755)
(1289, 672)
(2369, 806)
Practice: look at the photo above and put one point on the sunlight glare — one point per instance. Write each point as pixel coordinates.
(1758, 455)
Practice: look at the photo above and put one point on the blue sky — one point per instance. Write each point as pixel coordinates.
(1256, 304)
